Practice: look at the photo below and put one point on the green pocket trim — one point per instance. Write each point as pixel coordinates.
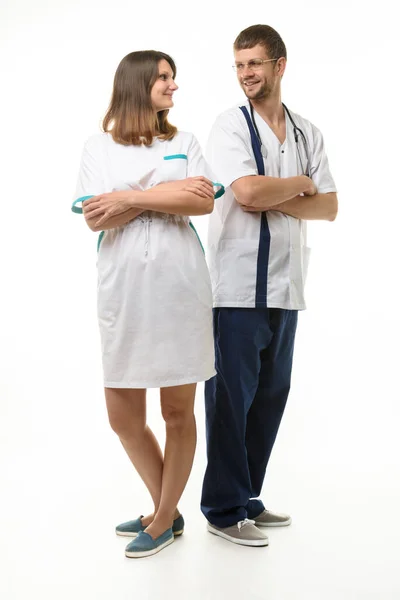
(173, 156)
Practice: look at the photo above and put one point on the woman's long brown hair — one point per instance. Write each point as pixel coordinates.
(131, 118)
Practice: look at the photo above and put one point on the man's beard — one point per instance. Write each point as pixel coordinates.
(263, 93)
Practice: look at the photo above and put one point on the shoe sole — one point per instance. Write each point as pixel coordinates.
(263, 542)
(277, 524)
(149, 552)
(132, 534)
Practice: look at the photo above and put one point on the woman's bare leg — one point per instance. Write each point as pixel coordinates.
(127, 415)
(177, 406)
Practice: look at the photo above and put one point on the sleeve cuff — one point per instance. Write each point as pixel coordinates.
(78, 209)
(219, 192)
(327, 190)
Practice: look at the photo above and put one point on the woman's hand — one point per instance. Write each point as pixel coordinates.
(197, 185)
(108, 205)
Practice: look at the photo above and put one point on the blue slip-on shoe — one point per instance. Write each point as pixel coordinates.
(144, 545)
(132, 528)
(178, 526)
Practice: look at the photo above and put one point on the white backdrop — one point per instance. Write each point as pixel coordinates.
(337, 456)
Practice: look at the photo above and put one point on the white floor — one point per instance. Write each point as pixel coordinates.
(66, 483)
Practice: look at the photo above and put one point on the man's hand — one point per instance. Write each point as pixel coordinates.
(108, 205)
(311, 190)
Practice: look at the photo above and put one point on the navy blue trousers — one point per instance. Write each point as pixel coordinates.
(244, 407)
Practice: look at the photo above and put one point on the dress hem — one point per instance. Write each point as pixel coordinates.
(158, 384)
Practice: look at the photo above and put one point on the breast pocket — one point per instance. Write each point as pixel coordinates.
(174, 167)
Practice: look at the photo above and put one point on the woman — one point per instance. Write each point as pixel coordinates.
(154, 293)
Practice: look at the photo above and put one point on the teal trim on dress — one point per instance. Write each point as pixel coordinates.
(197, 235)
(173, 156)
(78, 209)
(99, 240)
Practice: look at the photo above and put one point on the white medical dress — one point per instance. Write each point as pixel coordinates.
(154, 289)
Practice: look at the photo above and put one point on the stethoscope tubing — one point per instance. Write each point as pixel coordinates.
(296, 132)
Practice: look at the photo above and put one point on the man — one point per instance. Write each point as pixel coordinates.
(274, 168)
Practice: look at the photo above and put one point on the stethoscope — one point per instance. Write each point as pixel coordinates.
(298, 134)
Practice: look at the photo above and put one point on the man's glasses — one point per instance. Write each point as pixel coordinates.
(254, 65)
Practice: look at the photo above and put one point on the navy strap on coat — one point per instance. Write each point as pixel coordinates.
(265, 237)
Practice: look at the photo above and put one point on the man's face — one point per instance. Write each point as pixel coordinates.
(257, 79)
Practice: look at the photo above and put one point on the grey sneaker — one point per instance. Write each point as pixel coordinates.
(270, 519)
(244, 533)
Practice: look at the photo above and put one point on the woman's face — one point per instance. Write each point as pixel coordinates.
(164, 87)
